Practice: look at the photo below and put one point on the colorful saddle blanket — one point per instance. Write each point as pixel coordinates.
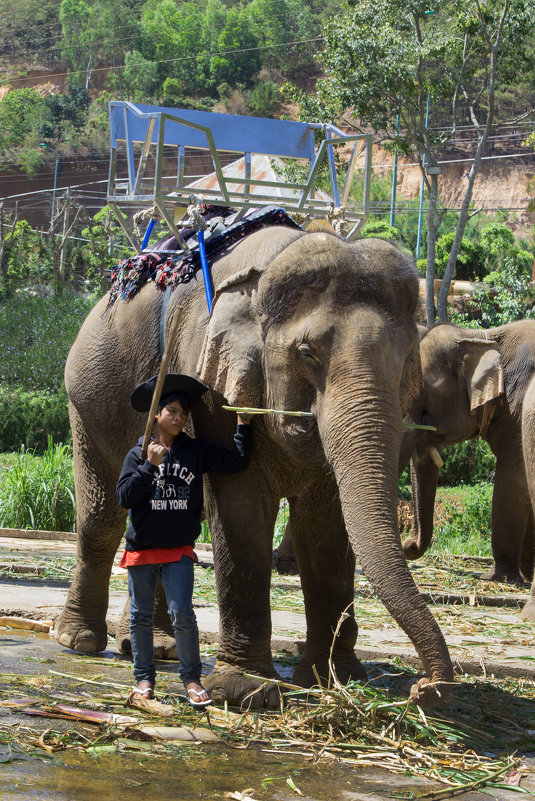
(168, 270)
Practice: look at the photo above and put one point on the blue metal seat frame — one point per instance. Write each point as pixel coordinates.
(146, 131)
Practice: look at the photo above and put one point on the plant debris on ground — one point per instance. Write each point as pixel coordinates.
(476, 740)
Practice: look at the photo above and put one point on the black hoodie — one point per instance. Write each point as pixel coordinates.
(165, 501)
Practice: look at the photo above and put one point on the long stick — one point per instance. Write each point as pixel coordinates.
(251, 410)
(159, 384)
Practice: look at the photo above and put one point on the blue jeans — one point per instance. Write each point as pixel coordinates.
(177, 580)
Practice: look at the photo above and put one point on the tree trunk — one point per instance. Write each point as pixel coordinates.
(432, 228)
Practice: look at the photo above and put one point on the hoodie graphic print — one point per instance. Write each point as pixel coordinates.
(164, 502)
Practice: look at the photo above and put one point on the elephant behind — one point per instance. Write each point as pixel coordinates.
(301, 321)
(479, 384)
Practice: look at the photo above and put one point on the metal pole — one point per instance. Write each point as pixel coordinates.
(54, 192)
(421, 210)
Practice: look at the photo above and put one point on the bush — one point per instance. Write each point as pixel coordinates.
(464, 525)
(503, 297)
(37, 334)
(29, 418)
(467, 463)
(38, 492)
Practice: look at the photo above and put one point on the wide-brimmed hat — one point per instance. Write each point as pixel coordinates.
(141, 397)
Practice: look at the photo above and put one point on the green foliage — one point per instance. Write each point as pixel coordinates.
(21, 112)
(264, 99)
(238, 59)
(172, 37)
(29, 418)
(470, 264)
(37, 334)
(469, 462)
(37, 492)
(464, 525)
(504, 296)
(70, 106)
(381, 229)
(140, 76)
(102, 250)
(26, 258)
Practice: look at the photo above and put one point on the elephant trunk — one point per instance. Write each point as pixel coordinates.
(364, 457)
(424, 480)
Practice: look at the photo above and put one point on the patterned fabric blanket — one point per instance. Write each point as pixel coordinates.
(167, 270)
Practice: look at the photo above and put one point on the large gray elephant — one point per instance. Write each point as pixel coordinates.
(301, 321)
(475, 384)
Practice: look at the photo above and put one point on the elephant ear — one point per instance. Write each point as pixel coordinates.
(231, 355)
(482, 371)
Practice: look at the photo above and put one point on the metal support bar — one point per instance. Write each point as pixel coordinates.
(172, 227)
(123, 222)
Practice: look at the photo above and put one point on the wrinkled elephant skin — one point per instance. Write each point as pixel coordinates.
(301, 321)
(479, 383)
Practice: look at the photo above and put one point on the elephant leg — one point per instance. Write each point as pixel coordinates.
(327, 569)
(509, 519)
(163, 634)
(527, 557)
(528, 438)
(100, 525)
(241, 514)
(284, 559)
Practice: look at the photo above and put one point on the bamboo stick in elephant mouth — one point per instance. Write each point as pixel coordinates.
(156, 395)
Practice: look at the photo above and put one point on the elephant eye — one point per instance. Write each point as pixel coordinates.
(306, 352)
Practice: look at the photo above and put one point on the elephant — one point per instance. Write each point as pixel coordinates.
(300, 321)
(478, 383)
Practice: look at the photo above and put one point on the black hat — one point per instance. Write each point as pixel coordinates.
(141, 397)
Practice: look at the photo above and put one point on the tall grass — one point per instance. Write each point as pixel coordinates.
(37, 492)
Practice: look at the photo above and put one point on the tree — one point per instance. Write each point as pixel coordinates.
(385, 58)
(79, 38)
(172, 36)
(237, 60)
(21, 112)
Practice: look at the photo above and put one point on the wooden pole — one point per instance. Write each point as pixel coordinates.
(159, 385)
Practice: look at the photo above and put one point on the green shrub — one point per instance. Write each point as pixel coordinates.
(467, 463)
(29, 418)
(37, 334)
(38, 491)
(464, 525)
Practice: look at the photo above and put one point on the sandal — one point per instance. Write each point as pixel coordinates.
(145, 694)
(144, 700)
(194, 696)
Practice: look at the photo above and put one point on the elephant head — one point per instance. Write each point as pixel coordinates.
(462, 382)
(328, 327)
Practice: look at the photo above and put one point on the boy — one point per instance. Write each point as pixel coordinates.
(164, 497)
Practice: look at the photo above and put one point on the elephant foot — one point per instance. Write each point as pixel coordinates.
(79, 635)
(411, 549)
(528, 612)
(505, 574)
(428, 693)
(346, 668)
(226, 683)
(164, 645)
(285, 564)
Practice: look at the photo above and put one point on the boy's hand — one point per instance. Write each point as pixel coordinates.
(244, 419)
(155, 452)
